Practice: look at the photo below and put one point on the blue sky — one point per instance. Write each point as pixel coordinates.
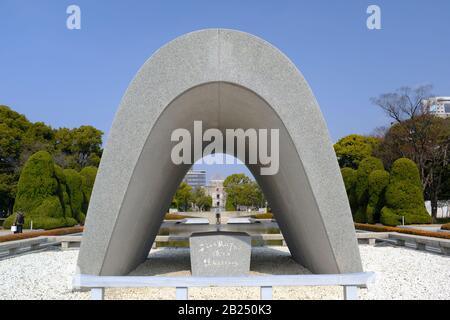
(73, 77)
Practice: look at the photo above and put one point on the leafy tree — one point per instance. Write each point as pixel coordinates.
(79, 147)
(251, 195)
(87, 145)
(8, 188)
(241, 190)
(20, 139)
(445, 190)
(233, 186)
(39, 132)
(425, 140)
(13, 127)
(183, 197)
(352, 149)
(201, 200)
(416, 135)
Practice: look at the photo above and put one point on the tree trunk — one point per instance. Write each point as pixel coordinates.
(10, 207)
(434, 206)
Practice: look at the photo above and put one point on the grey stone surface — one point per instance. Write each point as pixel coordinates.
(195, 221)
(240, 221)
(227, 79)
(220, 254)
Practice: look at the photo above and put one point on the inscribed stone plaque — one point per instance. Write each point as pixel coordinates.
(216, 254)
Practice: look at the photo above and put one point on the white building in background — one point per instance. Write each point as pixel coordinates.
(196, 178)
(216, 190)
(438, 106)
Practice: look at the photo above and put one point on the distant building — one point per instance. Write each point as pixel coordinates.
(438, 106)
(216, 190)
(196, 178)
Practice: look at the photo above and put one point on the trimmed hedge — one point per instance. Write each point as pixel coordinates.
(445, 226)
(349, 176)
(88, 175)
(63, 194)
(37, 182)
(39, 195)
(361, 189)
(404, 196)
(263, 216)
(34, 234)
(417, 232)
(405, 170)
(74, 185)
(378, 181)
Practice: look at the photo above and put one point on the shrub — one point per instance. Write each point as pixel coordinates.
(360, 215)
(9, 221)
(378, 181)
(366, 167)
(389, 218)
(88, 175)
(36, 183)
(445, 226)
(38, 195)
(349, 177)
(351, 149)
(404, 196)
(405, 170)
(74, 188)
(63, 192)
(442, 220)
(361, 188)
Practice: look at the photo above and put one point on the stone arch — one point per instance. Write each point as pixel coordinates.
(227, 79)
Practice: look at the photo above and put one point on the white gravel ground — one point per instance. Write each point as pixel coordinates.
(401, 274)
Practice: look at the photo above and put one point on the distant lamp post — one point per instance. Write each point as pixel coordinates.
(218, 222)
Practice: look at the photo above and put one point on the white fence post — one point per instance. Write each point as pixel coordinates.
(350, 293)
(97, 293)
(182, 293)
(266, 293)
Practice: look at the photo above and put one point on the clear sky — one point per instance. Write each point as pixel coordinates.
(73, 77)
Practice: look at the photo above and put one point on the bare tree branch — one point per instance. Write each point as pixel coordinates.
(405, 103)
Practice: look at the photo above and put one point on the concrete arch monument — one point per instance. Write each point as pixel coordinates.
(227, 79)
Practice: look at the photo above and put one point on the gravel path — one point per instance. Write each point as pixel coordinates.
(401, 274)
